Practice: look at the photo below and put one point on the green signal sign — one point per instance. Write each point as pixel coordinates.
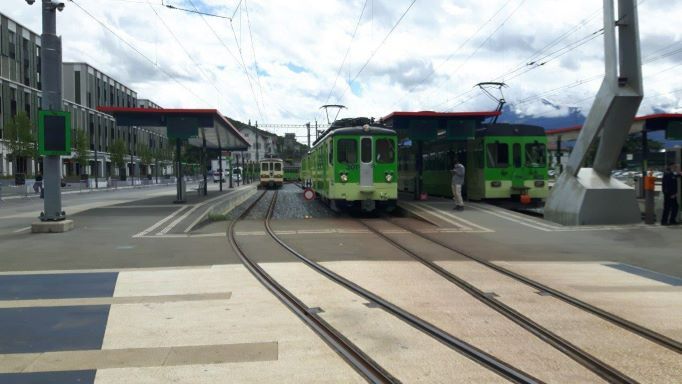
(674, 130)
(54, 133)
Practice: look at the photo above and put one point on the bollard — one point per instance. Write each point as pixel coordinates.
(649, 186)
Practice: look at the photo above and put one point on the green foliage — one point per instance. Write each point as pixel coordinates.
(19, 138)
(80, 148)
(145, 154)
(118, 152)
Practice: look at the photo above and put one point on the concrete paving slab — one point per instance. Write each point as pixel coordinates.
(405, 352)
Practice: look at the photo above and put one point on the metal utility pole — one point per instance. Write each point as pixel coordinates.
(316, 131)
(51, 69)
(307, 126)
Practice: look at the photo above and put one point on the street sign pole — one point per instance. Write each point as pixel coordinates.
(51, 67)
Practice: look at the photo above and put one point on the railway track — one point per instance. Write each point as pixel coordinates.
(362, 363)
(585, 359)
(637, 329)
(488, 361)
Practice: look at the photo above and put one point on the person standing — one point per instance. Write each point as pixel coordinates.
(458, 173)
(669, 187)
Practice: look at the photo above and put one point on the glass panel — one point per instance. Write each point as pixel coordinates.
(385, 151)
(366, 152)
(498, 155)
(348, 151)
(264, 167)
(535, 155)
(517, 155)
(278, 167)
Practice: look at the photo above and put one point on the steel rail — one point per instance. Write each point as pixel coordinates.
(362, 363)
(637, 329)
(582, 357)
(481, 357)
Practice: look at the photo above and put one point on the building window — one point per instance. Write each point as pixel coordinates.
(39, 70)
(77, 86)
(27, 62)
(89, 99)
(12, 44)
(12, 102)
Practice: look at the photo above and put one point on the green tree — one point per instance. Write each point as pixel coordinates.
(81, 150)
(145, 154)
(19, 139)
(118, 153)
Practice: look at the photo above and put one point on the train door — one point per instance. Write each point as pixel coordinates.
(366, 163)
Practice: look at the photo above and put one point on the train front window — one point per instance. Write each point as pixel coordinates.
(347, 151)
(498, 155)
(278, 167)
(366, 149)
(385, 151)
(265, 167)
(536, 155)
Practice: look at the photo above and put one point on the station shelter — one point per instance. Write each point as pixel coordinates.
(203, 128)
(428, 144)
(665, 126)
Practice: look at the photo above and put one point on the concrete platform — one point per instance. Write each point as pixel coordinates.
(138, 292)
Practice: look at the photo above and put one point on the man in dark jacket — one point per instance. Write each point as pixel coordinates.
(670, 207)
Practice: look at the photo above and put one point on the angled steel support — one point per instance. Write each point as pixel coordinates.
(584, 196)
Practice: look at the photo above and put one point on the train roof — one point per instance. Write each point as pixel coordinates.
(355, 126)
(504, 129)
(270, 159)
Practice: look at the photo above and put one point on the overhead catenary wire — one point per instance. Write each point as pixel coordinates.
(253, 50)
(131, 46)
(189, 56)
(490, 35)
(246, 71)
(381, 44)
(345, 57)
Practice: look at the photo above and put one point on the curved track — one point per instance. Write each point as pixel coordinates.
(595, 365)
(640, 330)
(488, 361)
(363, 364)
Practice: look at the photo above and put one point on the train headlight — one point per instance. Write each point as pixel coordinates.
(539, 183)
(344, 178)
(388, 177)
(495, 184)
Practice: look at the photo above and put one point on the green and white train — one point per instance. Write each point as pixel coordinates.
(505, 162)
(354, 165)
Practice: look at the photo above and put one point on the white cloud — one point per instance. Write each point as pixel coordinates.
(314, 36)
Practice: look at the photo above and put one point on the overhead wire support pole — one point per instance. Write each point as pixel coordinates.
(51, 68)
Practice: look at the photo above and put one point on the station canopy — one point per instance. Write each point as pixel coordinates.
(428, 125)
(193, 125)
(671, 123)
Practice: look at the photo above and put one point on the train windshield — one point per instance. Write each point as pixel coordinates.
(347, 151)
(278, 166)
(498, 155)
(264, 167)
(536, 155)
(385, 151)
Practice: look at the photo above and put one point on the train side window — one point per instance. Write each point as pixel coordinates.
(265, 167)
(366, 150)
(517, 155)
(278, 167)
(498, 155)
(536, 155)
(331, 153)
(385, 151)
(347, 151)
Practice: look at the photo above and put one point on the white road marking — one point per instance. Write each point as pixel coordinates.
(465, 225)
(159, 223)
(189, 212)
(512, 219)
(21, 230)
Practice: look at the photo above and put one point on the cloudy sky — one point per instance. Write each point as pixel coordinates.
(279, 61)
